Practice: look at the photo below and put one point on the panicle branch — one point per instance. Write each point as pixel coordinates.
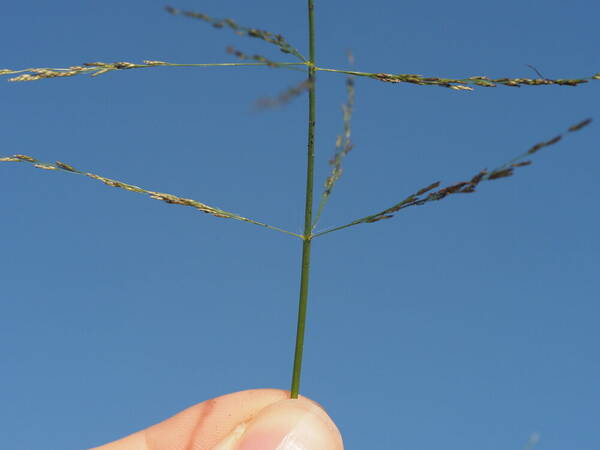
(343, 145)
(99, 68)
(272, 38)
(464, 84)
(463, 187)
(167, 198)
(93, 68)
(244, 56)
(284, 97)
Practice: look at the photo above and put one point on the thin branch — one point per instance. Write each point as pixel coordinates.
(167, 198)
(343, 145)
(464, 84)
(244, 56)
(464, 187)
(284, 97)
(539, 74)
(272, 38)
(99, 68)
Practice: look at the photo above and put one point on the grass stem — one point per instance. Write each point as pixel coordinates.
(306, 245)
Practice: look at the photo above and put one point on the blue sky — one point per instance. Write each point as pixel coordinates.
(468, 323)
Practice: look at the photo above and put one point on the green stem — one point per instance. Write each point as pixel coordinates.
(347, 72)
(308, 210)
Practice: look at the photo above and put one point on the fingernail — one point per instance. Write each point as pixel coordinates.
(291, 425)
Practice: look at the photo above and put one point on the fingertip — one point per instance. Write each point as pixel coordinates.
(291, 424)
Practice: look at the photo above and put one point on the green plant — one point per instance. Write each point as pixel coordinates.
(432, 192)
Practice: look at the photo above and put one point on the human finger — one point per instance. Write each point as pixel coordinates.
(262, 419)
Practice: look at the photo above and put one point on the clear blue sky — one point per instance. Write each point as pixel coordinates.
(468, 323)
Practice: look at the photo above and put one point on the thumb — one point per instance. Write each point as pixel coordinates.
(291, 424)
(260, 419)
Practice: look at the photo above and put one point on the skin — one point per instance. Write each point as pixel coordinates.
(260, 419)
